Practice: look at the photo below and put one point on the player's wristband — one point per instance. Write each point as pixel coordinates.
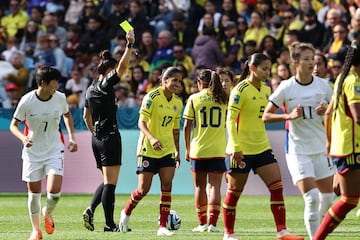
(130, 45)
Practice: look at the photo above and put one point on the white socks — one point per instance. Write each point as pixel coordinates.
(311, 211)
(326, 200)
(51, 200)
(34, 206)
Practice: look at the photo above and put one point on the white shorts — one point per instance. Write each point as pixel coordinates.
(36, 171)
(317, 166)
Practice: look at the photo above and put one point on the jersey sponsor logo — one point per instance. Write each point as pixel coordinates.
(357, 90)
(146, 164)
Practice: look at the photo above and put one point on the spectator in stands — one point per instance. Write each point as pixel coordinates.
(208, 22)
(12, 98)
(16, 20)
(21, 77)
(340, 42)
(45, 55)
(242, 26)
(11, 46)
(77, 84)
(28, 41)
(124, 98)
(207, 43)
(335, 64)
(138, 19)
(94, 39)
(118, 15)
(164, 52)
(51, 26)
(333, 17)
(37, 15)
(256, 30)
(73, 101)
(289, 23)
(290, 37)
(321, 67)
(138, 79)
(232, 47)
(354, 31)
(228, 8)
(185, 77)
(182, 34)
(220, 32)
(210, 12)
(73, 12)
(181, 57)
(89, 10)
(60, 59)
(312, 31)
(154, 80)
(74, 38)
(82, 59)
(147, 46)
(268, 42)
(265, 7)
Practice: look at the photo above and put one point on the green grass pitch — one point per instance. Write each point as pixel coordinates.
(254, 220)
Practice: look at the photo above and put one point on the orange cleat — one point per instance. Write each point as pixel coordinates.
(286, 235)
(35, 235)
(48, 222)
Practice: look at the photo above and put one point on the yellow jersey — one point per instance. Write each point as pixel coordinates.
(161, 116)
(209, 133)
(345, 132)
(245, 127)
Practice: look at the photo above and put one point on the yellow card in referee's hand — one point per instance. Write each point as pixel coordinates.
(126, 26)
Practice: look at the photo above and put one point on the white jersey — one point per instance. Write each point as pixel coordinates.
(306, 134)
(42, 124)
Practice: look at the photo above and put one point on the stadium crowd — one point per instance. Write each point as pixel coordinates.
(191, 35)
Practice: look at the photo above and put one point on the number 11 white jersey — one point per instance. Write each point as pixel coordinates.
(42, 124)
(307, 133)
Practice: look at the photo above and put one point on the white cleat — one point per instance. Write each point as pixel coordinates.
(212, 228)
(201, 228)
(230, 237)
(164, 232)
(124, 221)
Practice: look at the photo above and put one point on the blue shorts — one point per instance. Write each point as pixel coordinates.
(251, 162)
(149, 164)
(344, 164)
(210, 165)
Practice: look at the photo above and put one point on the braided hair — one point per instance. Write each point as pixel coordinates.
(352, 58)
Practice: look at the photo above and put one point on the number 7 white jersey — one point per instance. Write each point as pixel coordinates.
(42, 124)
(307, 133)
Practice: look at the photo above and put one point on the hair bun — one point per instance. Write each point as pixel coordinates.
(105, 55)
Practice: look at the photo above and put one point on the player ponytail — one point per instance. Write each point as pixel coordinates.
(212, 80)
(352, 58)
(255, 59)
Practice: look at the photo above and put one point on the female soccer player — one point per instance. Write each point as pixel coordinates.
(158, 146)
(100, 119)
(227, 79)
(206, 152)
(304, 97)
(43, 153)
(345, 138)
(248, 146)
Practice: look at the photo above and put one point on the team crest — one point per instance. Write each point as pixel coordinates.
(175, 108)
(148, 104)
(357, 159)
(236, 99)
(357, 90)
(146, 164)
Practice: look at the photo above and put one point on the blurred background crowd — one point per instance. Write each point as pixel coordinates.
(189, 34)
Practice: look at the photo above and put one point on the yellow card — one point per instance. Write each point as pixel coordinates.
(126, 26)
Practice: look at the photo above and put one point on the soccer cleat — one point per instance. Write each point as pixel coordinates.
(88, 218)
(286, 235)
(230, 237)
(111, 229)
(35, 235)
(201, 228)
(212, 228)
(124, 221)
(48, 222)
(164, 232)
